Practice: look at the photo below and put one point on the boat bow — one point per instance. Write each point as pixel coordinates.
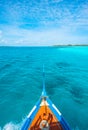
(45, 115)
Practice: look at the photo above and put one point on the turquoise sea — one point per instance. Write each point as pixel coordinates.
(66, 72)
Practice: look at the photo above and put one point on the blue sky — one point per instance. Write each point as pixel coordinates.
(43, 22)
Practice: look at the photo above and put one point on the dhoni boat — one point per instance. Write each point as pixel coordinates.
(45, 115)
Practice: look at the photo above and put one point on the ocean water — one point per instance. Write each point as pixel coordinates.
(66, 76)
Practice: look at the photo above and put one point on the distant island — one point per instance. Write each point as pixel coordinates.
(70, 45)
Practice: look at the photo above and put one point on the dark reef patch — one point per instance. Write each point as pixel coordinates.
(62, 64)
(61, 80)
(7, 65)
(50, 87)
(78, 94)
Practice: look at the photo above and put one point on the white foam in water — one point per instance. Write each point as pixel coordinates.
(12, 126)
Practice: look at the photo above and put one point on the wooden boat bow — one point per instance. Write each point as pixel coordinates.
(45, 115)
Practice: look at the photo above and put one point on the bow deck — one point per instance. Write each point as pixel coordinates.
(45, 115)
(45, 119)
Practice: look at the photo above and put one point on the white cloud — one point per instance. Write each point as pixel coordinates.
(55, 24)
(45, 14)
(2, 39)
(0, 33)
(56, 1)
(22, 37)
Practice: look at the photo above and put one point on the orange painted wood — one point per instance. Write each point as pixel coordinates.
(45, 113)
